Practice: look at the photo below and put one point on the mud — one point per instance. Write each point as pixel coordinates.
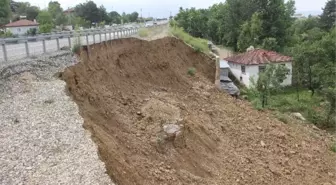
(128, 91)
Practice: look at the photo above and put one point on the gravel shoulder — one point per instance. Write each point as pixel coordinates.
(42, 140)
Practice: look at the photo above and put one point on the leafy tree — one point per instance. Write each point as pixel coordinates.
(22, 8)
(115, 17)
(54, 8)
(88, 11)
(328, 16)
(61, 19)
(45, 20)
(133, 17)
(5, 11)
(270, 80)
(32, 12)
(103, 15)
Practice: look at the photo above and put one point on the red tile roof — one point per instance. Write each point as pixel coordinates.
(22, 22)
(258, 56)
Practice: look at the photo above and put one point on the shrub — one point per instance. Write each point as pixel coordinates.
(77, 42)
(45, 28)
(191, 71)
(143, 32)
(333, 147)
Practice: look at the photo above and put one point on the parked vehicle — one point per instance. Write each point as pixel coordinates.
(227, 84)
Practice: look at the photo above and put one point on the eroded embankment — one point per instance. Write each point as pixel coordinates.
(132, 93)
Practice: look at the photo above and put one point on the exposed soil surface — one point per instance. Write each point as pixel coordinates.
(130, 92)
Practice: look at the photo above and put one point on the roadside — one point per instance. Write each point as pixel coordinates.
(42, 140)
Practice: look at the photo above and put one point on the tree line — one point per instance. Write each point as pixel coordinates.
(270, 24)
(84, 15)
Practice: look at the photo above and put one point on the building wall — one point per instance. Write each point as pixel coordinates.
(252, 71)
(236, 71)
(20, 30)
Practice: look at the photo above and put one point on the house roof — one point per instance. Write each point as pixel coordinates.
(22, 22)
(258, 56)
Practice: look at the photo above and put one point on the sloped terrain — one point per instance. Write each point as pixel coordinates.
(134, 93)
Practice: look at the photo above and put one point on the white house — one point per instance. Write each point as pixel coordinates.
(249, 64)
(21, 27)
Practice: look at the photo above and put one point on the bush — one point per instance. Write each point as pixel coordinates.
(45, 28)
(191, 71)
(333, 147)
(6, 34)
(32, 31)
(197, 43)
(143, 32)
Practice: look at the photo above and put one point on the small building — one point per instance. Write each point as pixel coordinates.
(21, 27)
(249, 64)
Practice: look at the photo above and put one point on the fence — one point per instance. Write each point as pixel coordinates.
(18, 48)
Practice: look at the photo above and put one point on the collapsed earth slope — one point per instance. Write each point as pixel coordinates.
(130, 91)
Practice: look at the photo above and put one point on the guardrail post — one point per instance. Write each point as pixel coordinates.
(94, 38)
(99, 37)
(87, 40)
(4, 50)
(69, 41)
(27, 48)
(57, 43)
(44, 46)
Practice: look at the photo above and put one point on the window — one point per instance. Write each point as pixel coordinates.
(19, 29)
(283, 65)
(243, 69)
(261, 69)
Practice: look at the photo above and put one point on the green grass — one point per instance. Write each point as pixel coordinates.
(143, 32)
(191, 71)
(199, 45)
(286, 102)
(333, 147)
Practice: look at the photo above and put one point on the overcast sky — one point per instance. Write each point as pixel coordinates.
(162, 8)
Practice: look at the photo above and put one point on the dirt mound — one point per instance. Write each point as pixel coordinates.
(155, 124)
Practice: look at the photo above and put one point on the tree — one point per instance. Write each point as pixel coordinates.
(22, 8)
(32, 12)
(45, 20)
(89, 11)
(328, 16)
(61, 19)
(115, 17)
(54, 8)
(133, 17)
(103, 15)
(5, 12)
(270, 80)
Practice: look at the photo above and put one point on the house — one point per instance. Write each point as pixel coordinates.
(249, 64)
(21, 27)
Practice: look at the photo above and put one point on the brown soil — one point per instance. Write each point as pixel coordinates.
(127, 91)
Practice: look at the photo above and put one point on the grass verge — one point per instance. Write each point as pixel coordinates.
(143, 32)
(313, 108)
(200, 45)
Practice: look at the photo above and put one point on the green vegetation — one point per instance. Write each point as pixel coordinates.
(333, 147)
(200, 45)
(6, 34)
(143, 32)
(191, 71)
(239, 24)
(76, 45)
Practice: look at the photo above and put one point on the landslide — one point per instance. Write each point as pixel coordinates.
(129, 90)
